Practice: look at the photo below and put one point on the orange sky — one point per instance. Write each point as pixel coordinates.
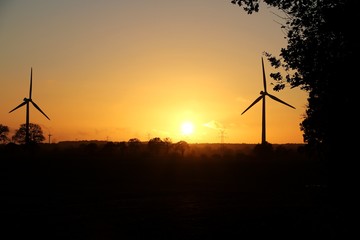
(114, 70)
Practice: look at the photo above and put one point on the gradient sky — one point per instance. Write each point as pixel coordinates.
(115, 70)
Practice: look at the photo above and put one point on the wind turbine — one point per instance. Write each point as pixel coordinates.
(262, 96)
(26, 102)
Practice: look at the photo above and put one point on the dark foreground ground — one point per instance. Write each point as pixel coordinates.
(95, 196)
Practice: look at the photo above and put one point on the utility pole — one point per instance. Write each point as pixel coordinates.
(49, 138)
(222, 135)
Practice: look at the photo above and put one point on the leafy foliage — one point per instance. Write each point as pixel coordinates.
(181, 147)
(4, 131)
(35, 134)
(319, 58)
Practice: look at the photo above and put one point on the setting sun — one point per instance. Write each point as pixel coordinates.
(190, 79)
(187, 128)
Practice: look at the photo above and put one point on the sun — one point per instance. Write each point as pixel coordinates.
(187, 128)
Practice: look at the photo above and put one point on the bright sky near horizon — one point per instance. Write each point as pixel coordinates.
(115, 70)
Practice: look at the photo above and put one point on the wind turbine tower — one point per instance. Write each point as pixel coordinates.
(27, 102)
(262, 96)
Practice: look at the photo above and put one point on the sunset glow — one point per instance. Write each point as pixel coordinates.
(123, 69)
(187, 128)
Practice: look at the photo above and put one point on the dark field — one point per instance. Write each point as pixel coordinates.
(210, 192)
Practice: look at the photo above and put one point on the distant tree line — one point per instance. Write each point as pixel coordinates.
(134, 146)
(155, 145)
(36, 134)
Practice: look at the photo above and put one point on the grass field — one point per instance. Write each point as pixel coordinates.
(210, 192)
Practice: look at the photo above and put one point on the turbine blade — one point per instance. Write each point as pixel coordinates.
(38, 108)
(264, 77)
(20, 105)
(279, 100)
(256, 100)
(30, 84)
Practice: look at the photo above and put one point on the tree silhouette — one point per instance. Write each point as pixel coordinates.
(181, 147)
(155, 144)
(4, 131)
(134, 144)
(319, 58)
(168, 144)
(35, 134)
